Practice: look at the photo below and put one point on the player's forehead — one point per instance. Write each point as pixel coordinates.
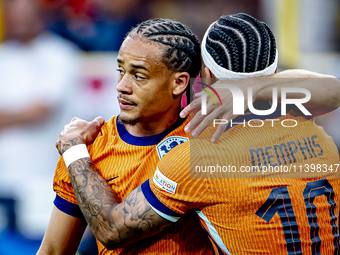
(135, 51)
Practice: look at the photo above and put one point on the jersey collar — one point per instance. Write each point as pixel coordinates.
(146, 140)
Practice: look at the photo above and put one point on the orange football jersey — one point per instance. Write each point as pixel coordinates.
(270, 189)
(126, 161)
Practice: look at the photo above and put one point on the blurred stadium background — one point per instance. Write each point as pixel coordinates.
(58, 60)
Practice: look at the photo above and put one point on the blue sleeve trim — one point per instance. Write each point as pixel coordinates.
(68, 207)
(153, 200)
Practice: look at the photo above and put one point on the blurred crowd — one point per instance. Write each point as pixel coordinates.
(57, 61)
(37, 68)
(94, 25)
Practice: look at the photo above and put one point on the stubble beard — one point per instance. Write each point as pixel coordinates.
(130, 121)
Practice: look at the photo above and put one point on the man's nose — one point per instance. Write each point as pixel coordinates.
(124, 86)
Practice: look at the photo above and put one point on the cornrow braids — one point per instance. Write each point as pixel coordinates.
(182, 48)
(227, 53)
(250, 42)
(240, 43)
(272, 44)
(263, 56)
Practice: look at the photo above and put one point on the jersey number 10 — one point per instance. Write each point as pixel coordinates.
(279, 201)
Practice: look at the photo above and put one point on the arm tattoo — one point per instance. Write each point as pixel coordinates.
(113, 223)
(70, 143)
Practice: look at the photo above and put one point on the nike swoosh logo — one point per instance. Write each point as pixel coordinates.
(112, 179)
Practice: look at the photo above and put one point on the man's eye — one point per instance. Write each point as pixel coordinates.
(139, 78)
(120, 71)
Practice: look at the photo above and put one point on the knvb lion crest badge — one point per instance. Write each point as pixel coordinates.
(169, 143)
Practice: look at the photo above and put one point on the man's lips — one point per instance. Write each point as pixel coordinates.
(124, 104)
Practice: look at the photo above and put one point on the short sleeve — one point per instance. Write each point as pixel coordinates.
(65, 199)
(172, 190)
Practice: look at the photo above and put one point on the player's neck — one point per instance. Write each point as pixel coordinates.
(153, 126)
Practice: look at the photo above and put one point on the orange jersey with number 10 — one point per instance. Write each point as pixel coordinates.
(241, 188)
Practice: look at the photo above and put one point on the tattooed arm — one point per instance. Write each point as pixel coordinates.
(113, 224)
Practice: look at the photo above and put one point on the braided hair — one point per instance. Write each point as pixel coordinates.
(182, 48)
(240, 43)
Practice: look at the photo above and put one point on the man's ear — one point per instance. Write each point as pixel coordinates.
(210, 77)
(181, 82)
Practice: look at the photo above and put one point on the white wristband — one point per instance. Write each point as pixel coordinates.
(74, 153)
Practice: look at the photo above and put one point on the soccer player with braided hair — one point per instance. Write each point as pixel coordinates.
(246, 203)
(155, 62)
